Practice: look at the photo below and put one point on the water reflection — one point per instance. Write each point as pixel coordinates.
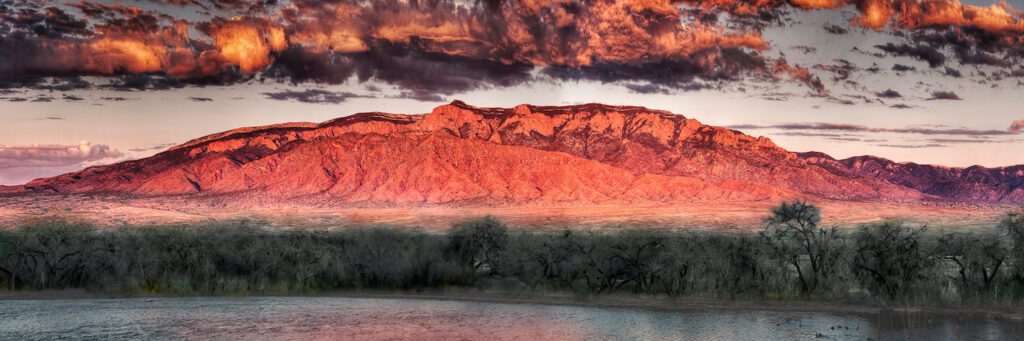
(332, 318)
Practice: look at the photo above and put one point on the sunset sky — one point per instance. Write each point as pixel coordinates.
(934, 81)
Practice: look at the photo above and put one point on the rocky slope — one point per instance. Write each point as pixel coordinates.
(971, 184)
(464, 155)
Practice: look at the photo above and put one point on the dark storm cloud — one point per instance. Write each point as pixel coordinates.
(316, 96)
(646, 88)
(945, 95)
(973, 46)
(200, 99)
(889, 93)
(902, 68)
(420, 96)
(929, 54)
(953, 72)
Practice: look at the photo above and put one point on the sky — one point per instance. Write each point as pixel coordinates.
(95, 82)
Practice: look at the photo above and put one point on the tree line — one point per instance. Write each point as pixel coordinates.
(792, 257)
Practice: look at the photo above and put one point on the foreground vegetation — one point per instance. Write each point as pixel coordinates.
(793, 257)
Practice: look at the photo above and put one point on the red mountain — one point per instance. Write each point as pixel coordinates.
(464, 155)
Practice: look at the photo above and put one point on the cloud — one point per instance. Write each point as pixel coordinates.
(646, 88)
(316, 96)
(450, 46)
(929, 54)
(437, 46)
(160, 147)
(889, 93)
(835, 29)
(953, 72)
(200, 99)
(912, 146)
(420, 96)
(805, 49)
(945, 95)
(902, 68)
(54, 155)
(846, 127)
(1016, 126)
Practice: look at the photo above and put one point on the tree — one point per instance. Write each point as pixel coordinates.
(794, 234)
(980, 256)
(890, 258)
(9, 242)
(1013, 225)
(479, 242)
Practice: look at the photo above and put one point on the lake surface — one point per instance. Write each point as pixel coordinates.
(322, 318)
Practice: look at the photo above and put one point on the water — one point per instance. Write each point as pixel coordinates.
(340, 318)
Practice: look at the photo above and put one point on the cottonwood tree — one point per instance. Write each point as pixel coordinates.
(1013, 226)
(980, 256)
(794, 233)
(9, 242)
(479, 242)
(890, 258)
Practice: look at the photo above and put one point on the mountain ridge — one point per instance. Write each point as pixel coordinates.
(459, 154)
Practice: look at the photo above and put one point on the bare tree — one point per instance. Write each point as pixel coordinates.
(795, 235)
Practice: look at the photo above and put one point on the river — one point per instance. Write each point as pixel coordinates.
(345, 318)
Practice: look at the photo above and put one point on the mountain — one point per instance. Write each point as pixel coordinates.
(972, 184)
(464, 155)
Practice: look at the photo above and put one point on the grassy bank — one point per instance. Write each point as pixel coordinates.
(793, 258)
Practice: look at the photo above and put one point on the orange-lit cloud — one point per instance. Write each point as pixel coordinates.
(247, 44)
(1017, 126)
(411, 44)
